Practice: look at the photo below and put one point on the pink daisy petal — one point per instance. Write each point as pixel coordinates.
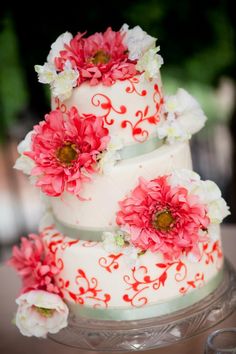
(101, 57)
(62, 146)
(36, 268)
(163, 218)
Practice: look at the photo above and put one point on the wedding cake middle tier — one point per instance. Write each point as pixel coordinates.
(97, 207)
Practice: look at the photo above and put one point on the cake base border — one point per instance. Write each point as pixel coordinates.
(155, 332)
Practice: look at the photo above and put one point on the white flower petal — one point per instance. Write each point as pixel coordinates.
(109, 242)
(150, 63)
(46, 73)
(109, 158)
(137, 41)
(58, 45)
(31, 322)
(64, 82)
(218, 210)
(24, 163)
(132, 257)
(25, 145)
(183, 117)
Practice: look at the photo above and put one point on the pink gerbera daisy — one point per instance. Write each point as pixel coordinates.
(102, 57)
(36, 268)
(163, 218)
(65, 150)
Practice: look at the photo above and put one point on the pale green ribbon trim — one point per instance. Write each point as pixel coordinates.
(81, 233)
(160, 309)
(140, 148)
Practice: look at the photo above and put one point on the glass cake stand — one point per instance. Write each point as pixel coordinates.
(156, 332)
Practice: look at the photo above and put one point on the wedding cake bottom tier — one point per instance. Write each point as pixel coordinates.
(98, 284)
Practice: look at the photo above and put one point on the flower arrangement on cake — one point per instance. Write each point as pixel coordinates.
(102, 57)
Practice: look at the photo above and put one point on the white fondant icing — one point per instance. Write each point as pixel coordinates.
(105, 191)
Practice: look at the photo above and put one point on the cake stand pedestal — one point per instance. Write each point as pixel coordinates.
(156, 332)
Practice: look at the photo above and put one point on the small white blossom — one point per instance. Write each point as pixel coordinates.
(113, 241)
(185, 178)
(40, 312)
(118, 242)
(183, 117)
(207, 191)
(108, 158)
(64, 82)
(58, 45)
(137, 41)
(132, 256)
(46, 73)
(24, 163)
(172, 131)
(218, 210)
(150, 63)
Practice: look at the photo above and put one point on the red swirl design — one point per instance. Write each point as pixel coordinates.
(132, 88)
(103, 101)
(110, 263)
(140, 280)
(197, 282)
(139, 134)
(67, 244)
(89, 243)
(87, 290)
(60, 105)
(211, 252)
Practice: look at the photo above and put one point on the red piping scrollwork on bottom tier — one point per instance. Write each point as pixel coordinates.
(87, 292)
(197, 282)
(140, 280)
(110, 263)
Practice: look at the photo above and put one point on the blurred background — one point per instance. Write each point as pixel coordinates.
(197, 42)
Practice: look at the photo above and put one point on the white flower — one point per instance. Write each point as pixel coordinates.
(25, 163)
(207, 191)
(210, 195)
(218, 210)
(57, 46)
(118, 242)
(64, 82)
(150, 63)
(172, 130)
(46, 73)
(40, 312)
(186, 112)
(185, 178)
(108, 158)
(132, 256)
(113, 241)
(137, 41)
(189, 112)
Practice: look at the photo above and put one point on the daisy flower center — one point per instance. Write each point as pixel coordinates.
(100, 57)
(67, 153)
(44, 311)
(163, 220)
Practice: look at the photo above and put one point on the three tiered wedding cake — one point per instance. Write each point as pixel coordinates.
(130, 231)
